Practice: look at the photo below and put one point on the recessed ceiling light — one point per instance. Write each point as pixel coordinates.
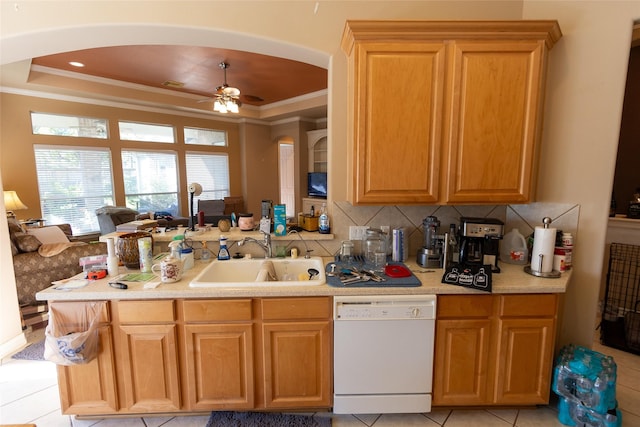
(76, 64)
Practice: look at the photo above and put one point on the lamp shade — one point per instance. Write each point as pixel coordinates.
(12, 202)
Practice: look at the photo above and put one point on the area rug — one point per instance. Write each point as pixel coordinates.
(33, 351)
(266, 419)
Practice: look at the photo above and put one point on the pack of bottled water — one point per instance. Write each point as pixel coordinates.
(585, 381)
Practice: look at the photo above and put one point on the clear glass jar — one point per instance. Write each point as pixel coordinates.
(375, 247)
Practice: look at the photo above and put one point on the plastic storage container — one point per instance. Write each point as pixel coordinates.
(513, 248)
(585, 381)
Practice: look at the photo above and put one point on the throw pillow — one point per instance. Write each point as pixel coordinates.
(27, 242)
(51, 234)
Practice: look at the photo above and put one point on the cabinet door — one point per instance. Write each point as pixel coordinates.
(150, 367)
(219, 361)
(495, 120)
(397, 105)
(461, 362)
(90, 388)
(525, 357)
(297, 364)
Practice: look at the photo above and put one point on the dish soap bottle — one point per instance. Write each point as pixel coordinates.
(206, 255)
(324, 220)
(223, 254)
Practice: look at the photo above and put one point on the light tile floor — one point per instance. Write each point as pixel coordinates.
(29, 394)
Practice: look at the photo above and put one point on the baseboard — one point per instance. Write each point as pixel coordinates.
(12, 345)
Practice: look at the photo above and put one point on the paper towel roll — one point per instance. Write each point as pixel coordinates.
(111, 251)
(544, 242)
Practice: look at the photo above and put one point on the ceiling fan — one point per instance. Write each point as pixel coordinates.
(226, 98)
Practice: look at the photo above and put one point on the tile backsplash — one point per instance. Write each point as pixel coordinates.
(523, 217)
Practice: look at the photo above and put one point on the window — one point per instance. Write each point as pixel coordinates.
(286, 174)
(197, 136)
(151, 181)
(131, 131)
(211, 171)
(61, 125)
(73, 183)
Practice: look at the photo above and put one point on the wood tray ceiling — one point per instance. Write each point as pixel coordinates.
(261, 79)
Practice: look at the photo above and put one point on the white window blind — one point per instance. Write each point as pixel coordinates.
(211, 171)
(73, 183)
(151, 181)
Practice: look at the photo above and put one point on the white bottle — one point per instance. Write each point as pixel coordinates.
(513, 248)
(323, 224)
(112, 259)
(186, 255)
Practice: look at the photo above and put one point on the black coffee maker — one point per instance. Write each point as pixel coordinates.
(480, 241)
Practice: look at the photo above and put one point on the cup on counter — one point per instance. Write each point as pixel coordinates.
(145, 248)
(170, 270)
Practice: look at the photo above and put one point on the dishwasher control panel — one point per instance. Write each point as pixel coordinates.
(377, 308)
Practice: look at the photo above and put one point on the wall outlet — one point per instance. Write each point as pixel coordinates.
(357, 232)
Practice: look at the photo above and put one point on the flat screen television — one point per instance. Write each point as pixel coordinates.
(317, 184)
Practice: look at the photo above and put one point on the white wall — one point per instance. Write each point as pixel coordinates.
(585, 91)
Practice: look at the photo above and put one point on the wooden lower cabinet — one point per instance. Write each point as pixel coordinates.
(494, 349)
(147, 354)
(297, 352)
(218, 349)
(169, 356)
(89, 388)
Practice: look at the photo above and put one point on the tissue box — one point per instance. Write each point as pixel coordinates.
(280, 220)
(308, 222)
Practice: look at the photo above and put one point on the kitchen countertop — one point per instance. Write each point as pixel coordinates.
(512, 280)
(213, 234)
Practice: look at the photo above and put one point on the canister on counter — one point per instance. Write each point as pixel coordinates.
(561, 259)
(399, 246)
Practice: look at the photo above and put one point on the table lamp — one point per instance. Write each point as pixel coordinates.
(194, 189)
(12, 203)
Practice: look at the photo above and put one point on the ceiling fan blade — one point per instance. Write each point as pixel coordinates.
(252, 98)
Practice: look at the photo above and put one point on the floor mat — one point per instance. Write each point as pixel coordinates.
(33, 351)
(265, 419)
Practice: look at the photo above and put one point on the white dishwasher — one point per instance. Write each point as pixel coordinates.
(383, 353)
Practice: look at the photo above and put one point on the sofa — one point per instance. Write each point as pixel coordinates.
(37, 264)
(111, 216)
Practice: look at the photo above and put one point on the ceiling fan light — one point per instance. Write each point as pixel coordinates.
(234, 108)
(219, 106)
(231, 91)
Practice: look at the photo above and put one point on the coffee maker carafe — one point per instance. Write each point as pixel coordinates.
(430, 255)
(480, 241)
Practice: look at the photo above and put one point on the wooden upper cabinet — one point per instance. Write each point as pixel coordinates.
(496, 93)
(445, 112)
(398, 135)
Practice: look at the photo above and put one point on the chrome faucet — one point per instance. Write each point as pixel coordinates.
(307, 254)
(265, 244)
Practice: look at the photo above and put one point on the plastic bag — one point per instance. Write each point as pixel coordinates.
(72, 339)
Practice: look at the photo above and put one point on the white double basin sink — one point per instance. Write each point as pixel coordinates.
(261, 272)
